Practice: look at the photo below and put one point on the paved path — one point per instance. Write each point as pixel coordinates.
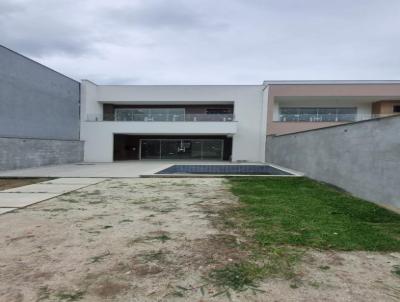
(20, 197)
(116, 169)
(121, 169)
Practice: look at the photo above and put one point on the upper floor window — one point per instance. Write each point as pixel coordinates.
(317, 114)
(219, 110)
(150, 114)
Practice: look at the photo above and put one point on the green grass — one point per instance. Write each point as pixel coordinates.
(237, 276)
(305, 213)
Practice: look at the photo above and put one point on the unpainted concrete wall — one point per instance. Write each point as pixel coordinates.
(363, 158)
(16, 153)
(39, 114)
(35, 101)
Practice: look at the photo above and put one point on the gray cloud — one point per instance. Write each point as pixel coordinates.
(207, 41)
(157, 14)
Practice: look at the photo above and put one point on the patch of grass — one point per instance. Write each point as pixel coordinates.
(162, 238)
(301, 212)
(70, 296)
(324, 267)
(153, 256)
(237, 276)
(56, 210)
(396, 270)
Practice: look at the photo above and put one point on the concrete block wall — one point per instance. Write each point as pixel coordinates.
(363, 158)
(17, 153)
(39, 114)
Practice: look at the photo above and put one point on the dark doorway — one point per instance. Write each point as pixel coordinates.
(126, 147)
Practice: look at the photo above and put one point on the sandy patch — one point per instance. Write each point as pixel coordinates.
(9, 183)
(155, 240)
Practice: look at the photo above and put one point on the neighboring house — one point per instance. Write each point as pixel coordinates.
(295, 106)
(39, 114)
(219, 122)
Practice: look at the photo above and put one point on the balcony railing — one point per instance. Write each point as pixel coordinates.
(134, 117)
(328, 117)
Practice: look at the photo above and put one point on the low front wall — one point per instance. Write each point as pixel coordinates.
(363, 158)
(18, 153)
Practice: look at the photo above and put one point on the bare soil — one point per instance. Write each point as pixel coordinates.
(9, 183)
(157, 240)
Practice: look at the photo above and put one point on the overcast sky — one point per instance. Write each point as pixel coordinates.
(207, 41)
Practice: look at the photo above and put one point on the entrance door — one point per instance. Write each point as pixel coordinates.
(150, 149)
(176, 149)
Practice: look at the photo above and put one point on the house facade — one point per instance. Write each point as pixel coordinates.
(219, 122)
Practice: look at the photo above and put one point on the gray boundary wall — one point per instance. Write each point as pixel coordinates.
(363, 158)
(35, 101)
(17, 153)
(39, 114)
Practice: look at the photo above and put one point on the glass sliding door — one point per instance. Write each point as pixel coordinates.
(212, 149)
(182, 149)
(150, 149)
(176, 149)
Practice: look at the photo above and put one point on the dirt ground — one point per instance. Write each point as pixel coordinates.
(9, 183)
(156, 240)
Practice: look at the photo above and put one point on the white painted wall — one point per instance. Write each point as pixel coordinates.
(248, 135)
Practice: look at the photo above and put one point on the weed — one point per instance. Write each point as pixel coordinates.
(153, 256)
(125, 220)
(107, 227)
(71, 200)
(70, 296)
(162, 238)
(97, 201)
(314, 284)
(99, 258)
(396, 270)
(56, 210)
(43, 293)
(237, 276)
(95, 192)
(324, 267)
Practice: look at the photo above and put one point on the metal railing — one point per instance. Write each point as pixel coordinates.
(328, 117)
(164, 117)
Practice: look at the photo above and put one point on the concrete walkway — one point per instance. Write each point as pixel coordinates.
(115, 169)
(20, 197)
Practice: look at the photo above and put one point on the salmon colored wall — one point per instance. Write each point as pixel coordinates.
(378, 90)
(279, 128)
(384, 107)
